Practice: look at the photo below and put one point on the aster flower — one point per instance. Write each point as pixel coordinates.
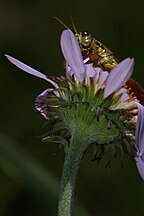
(92, 106)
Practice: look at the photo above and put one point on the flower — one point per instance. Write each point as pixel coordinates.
(96, 98)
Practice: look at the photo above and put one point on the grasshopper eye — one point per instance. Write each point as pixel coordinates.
(85, 33)
(85, 39)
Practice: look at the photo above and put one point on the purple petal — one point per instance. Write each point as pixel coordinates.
(72, 54)
(40, 102)
(139, 133)
(140, 165)
(124, 97)
(139, 140)
(118, 76)
(121, 91)
(133, 102)
(90, 71)
(29, 70)
(97, 75)
(102, 78)
(86, 60)
(69, 72)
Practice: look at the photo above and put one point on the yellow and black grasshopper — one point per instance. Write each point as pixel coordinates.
(97, 53)
(100, 56)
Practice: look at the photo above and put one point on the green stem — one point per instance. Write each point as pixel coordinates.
(71, 165)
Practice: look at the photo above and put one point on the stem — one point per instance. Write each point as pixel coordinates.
(69, 174)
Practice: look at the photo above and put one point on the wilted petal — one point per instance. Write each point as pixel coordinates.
(40, 102)
(29, 70)
(72, 54)
(118, 76)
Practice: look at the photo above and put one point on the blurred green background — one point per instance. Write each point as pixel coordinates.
(30, 170)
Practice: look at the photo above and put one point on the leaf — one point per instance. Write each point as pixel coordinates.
(57, 140)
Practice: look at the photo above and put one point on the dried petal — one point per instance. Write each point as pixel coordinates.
(40, 102)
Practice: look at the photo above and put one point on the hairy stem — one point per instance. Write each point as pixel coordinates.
(70, 170)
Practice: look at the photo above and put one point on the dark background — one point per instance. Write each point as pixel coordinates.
(29, 169)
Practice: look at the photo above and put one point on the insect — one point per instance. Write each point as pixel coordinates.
(102, 57)
(98, 53)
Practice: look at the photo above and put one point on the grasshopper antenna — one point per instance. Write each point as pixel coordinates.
(72, 20)
(60, 21)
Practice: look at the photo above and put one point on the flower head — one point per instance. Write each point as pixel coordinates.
(95, 101)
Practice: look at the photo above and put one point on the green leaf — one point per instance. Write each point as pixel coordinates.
(57, 140)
